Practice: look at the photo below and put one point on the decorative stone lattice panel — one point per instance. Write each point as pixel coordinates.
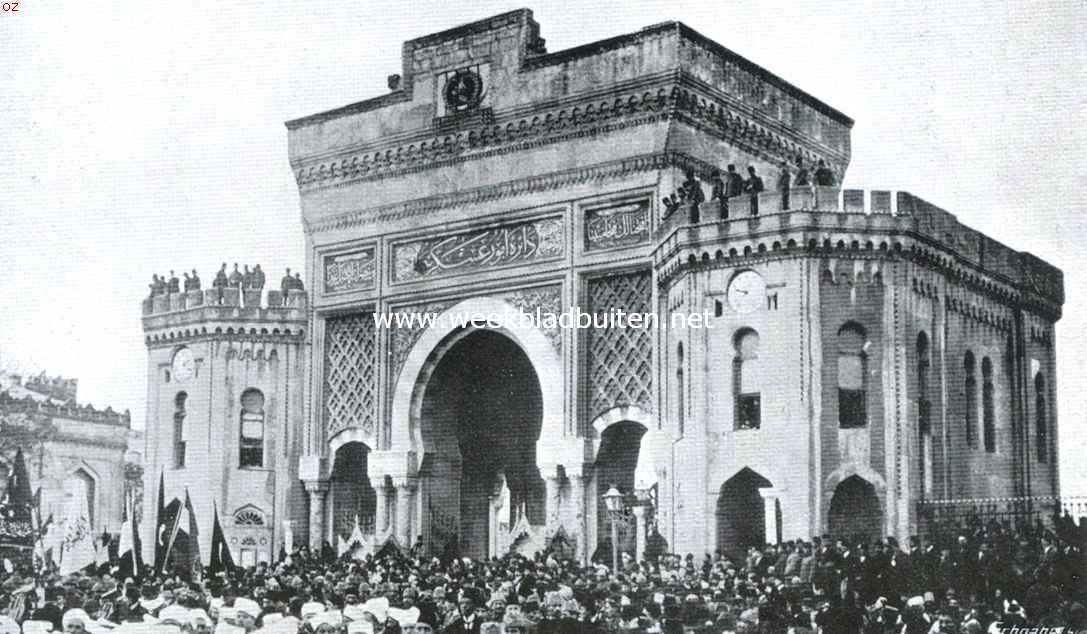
(350, 385)
(620, 359)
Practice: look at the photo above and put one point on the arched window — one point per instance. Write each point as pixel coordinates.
(248, 516)
(852, 376)
(681, 391)
(970, 384)
(1041, 428)
(251, 430)
(179, 429)
(988, 415)
(745, 377)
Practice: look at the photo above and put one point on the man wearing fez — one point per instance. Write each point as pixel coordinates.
(734, 183)
(174, 285)
(258, 278)
(195, 280)
(220, 278)
(783, 185)
(753, 186)
(235, 279)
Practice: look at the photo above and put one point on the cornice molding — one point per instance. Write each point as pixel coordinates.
(555, 180)
(676, 96)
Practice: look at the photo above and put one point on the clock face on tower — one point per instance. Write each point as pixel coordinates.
(746, 292)
(183, 365)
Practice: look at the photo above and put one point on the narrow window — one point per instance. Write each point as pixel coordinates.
(852, 375)
(970, 421)
(1041, 429)
(746, 389)
(179, 429)
(988, 415)
(251, 444)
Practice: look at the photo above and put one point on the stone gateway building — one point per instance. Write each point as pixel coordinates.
(861, 357)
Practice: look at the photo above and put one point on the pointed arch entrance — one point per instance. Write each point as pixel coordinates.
(741, 514)
(480, 417)
(616, 464)
(352, 495)
(855, 512)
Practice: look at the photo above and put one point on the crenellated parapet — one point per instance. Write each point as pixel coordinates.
(226, 312)
(828, 222)
(69, 411)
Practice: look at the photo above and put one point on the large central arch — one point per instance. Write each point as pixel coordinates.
(424, 358)
(480, 418)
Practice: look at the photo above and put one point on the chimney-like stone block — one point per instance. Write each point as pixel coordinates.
(881, 201)
(853, 201)
(251, 298)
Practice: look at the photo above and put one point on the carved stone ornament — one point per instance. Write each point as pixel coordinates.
(463, 90)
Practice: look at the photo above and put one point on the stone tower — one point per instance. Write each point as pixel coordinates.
(225, 374)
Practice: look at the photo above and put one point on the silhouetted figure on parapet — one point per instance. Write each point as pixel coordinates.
(753, 186)
(691, 190)
(783, 185)
(220, 280)
(247, 278)
(174, 285)
(195, 281)
(187, 283)
(669, 206)
(235, 279)
(258, 278)
(734, 183)
(298, 282)
(157, 286)
(802, 177)
(824, 176)
(718, 186)
(286, 284)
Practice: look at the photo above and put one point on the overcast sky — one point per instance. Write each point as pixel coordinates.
(141, 137)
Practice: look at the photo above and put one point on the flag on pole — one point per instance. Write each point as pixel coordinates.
(77, 548)
(220, 551)
(16, 509)
(166, 533)
(190, 551)
(160, 546)
(131, 562)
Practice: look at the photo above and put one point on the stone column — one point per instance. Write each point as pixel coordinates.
(639, 532)
(381, 510)
(553, 487)
(317, 491)
(577, 494)
(405, 496)
(770, 515)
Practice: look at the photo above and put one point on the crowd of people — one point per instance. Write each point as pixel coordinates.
(992, 578)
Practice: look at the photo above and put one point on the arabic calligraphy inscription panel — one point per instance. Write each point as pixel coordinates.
(616, 225)
(492, 247)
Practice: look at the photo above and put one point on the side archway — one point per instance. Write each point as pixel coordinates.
(741, 513)
(855, 513)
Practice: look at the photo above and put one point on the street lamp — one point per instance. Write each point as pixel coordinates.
(613, 502)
